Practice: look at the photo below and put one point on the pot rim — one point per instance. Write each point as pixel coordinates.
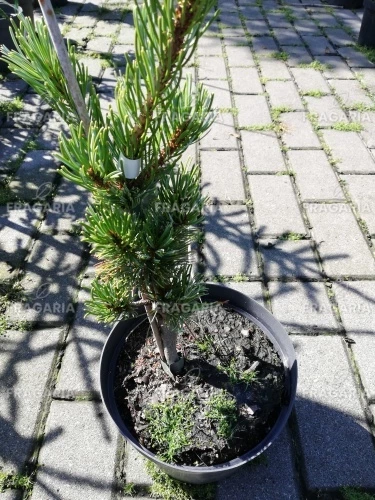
(267, 322)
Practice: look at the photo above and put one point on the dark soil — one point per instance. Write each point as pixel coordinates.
(219, 345)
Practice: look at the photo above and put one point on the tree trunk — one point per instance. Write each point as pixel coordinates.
(169, 338)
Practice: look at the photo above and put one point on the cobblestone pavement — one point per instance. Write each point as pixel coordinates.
(289, 166)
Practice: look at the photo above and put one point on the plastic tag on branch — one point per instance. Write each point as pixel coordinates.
(130, 168)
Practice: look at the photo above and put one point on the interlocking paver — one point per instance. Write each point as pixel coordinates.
(362, 192)
(246, 81)
(368, 76)
(318, 45)
(367, 120)
(297, 55)
(239, 55)
(286, 36)
(354, 58)
(257, 27)
(50, 281)
(335, 67)
(307, 27)
(220, 89)
(12, 140)
(275, 215)
(326, 110)
(284, 94)
(302, 307)
(324, 19)
(340, 242)
(37, 172)
(25, 363)
(330, 418)
(251, 12)
(252, 289)
(309, 79)
(222, 133)
(210, 46)
(264, 45)
(338, 37)
(212, 68)
(229, 246)
(289, 259)
(356, 301)
(252, 110)
(80, 366)
(350, 152)
(78, 455)
(273, 69)
(298, 131)
(221, 175)
(275, 479)
(351, 93)
(314, 175)
(261, 152)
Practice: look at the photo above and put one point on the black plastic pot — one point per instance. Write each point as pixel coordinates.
(367, 32)
(5, 38)
(347, 4)
(272, 329)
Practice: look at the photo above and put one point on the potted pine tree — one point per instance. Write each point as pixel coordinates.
(198, 377)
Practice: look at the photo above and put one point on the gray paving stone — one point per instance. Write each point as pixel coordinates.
(108, 81)
(314, 175)
(210, 46)
(233, 31)
(212, 68)
(239, 55)
(252, 289)
(349, 19)
(368, 76)
(37, 172)
(67, 207)
(330, 417)
(367, 120)
(302, 307)
(25, 364)
(356, 303)
(126, 35)
(262, 152)
(100, 44)
(336, 67)
(326, 109)
(275, 479)
(221, 176)
(94, 66)
(252, 110)
(84, 20)
(273, 69)
(354, 58)
(220, 89)
(78, 454)
(297, 55)
(229, 246)
(341, 245)
(246, 81)
(351, 92)
(339, 37)
(49, 282)
(278, 20)
(105, 28)
(286, 36)
(324, 19)
(80, 365)
(48, 137)
(284, 94)
(298, 131)
(350, 151)
(318, 45)
(251, 12)
(275, 215)
(230, 18)
(362, 192)
(309, 79)
(264, 46)
(12, 140)
(257, 27)
(11, 495)
(222, 133)
(10, 89)
(79, 35)
(289, 259)
(135, 467)
(307, 27)
(17, 226)
(31, 115)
